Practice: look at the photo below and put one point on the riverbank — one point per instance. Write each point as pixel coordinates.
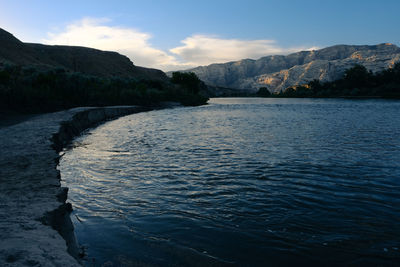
(8, 118)
(35, 227)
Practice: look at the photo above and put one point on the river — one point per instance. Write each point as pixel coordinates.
(241, 181)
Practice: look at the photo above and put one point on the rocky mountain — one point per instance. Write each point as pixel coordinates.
(279, 72)
(72, 58)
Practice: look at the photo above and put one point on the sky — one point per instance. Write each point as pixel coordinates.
(172, 35)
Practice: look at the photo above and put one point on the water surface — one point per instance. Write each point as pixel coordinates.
(241, 182)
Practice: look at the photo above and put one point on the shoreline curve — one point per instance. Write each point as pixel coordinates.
(35, 226)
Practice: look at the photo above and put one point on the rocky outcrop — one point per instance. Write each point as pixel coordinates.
(35, 229)
(280, 72)
(72, 58)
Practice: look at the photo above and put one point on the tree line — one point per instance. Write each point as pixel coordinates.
(356, 82)
(28, 89)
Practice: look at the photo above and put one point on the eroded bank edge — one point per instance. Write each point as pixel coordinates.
(59, 219)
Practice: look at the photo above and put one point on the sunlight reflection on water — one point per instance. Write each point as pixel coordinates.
(241, 181)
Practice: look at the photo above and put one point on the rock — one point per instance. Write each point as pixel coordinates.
(279, 72)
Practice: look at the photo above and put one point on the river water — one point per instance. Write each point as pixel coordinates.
(241, 181)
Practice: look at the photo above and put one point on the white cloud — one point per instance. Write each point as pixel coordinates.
(204, 50)
(196, 49)
(130, 42)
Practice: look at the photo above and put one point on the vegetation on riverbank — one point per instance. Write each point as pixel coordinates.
(356, 82)
(28, 89)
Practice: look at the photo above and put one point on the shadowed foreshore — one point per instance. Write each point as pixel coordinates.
(8, 118)
(34, 215)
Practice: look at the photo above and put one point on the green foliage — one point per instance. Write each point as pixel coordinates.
(356, 82)
(188, 80)
(31, 90)
(263, 92)
(4, 77)
(357, 76)
(188, 87)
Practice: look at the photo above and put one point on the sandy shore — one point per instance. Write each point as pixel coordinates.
(33, 212)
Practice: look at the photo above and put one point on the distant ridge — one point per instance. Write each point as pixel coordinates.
(73, 58)
(279, 72)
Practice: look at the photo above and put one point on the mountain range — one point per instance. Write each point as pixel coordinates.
(279, 72)
(276, 72)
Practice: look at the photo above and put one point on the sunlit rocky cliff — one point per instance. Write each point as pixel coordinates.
(279, 72)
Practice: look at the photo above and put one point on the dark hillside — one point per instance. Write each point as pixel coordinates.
(72, 58)
(43, 78)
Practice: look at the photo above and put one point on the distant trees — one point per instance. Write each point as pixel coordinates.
(263, 92)
(31, 90)
(357, 76)
(356, 82)
(188, 80)
(190, 86)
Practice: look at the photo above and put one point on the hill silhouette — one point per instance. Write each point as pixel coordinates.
(44, 78)
(72, 58)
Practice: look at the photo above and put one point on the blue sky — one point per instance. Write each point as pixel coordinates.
(181, 34)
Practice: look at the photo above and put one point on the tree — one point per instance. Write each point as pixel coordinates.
(189, 80)
(315, 85)
(357, 76)
(4, 77)
(264, 92)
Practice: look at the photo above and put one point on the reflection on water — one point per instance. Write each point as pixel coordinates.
(242, 182)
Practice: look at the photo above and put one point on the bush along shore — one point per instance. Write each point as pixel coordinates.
(357, 82)
(29, 90)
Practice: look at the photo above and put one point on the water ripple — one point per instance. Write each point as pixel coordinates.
(241, 182)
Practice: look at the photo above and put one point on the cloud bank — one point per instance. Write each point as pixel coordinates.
(130, 42)
(195, 50)
(204, 50)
